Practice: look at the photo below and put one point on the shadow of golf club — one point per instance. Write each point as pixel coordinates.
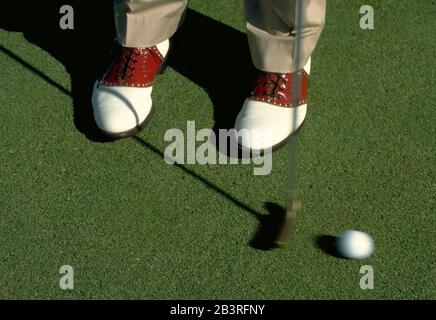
(269, 227)
(219, 63)
(160, 154)
(269, 224)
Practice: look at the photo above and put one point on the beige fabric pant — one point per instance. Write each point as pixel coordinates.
(270, 24)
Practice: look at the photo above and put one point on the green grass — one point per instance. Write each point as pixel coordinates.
(134, 227)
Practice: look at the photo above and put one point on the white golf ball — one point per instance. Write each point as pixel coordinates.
(354, 244)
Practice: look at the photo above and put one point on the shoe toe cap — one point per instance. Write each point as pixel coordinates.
(261, 125)
(120, 109)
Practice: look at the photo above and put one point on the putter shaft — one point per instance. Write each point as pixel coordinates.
(293, 205)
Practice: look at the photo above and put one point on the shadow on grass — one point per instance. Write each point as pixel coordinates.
(84, 51)
(327, 244)
(220, 63)
(269, 224)
(209, 184)
(269, 227)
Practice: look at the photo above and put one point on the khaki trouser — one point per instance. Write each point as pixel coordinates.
(270, 24)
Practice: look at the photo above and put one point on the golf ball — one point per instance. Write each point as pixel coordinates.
(354, 244)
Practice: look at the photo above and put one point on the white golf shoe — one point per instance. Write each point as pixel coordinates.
(270, 115)
(121, 99)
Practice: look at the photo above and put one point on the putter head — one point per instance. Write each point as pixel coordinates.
(293, 205)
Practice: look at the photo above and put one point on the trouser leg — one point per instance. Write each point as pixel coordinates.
(143, 23)
(270, 31)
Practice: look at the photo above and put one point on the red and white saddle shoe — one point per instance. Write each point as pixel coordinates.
(121, 99)
(270, 115)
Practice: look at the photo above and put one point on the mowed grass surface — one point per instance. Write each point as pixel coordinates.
(134, 227)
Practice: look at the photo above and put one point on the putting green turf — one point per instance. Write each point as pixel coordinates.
(132, 226)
